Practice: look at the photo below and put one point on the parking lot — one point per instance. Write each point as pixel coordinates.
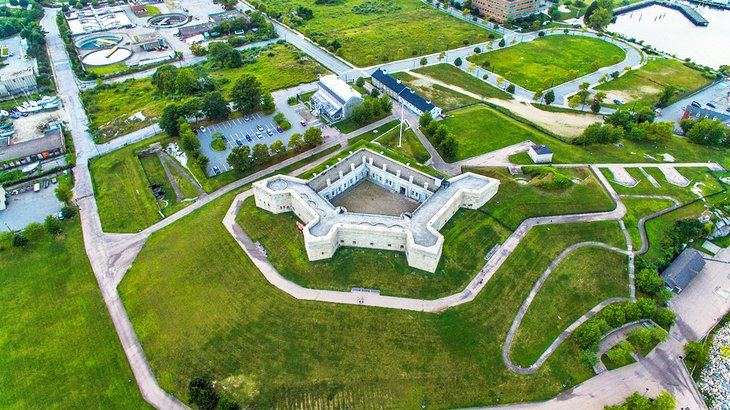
(239, 132)
(29, 206)
(716, 95)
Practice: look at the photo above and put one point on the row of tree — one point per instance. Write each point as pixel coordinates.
(638, 126)
(35, 230)
(244, 158)
(372, 109)
(440, 136)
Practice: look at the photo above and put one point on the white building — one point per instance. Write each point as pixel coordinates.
(410, 99)
(540, 154)
(335, 99)
(3, 198)
(416, 234)
(17, 82)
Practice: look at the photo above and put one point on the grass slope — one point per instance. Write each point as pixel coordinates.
(549, 60)
(58, 348)
(213, 312)
(643, 86)
(410, 147)
(441, 96)
(637, 208)
(389, 31)
(449, 74)
(576, 285)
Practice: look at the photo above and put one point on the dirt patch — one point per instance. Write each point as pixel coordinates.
(31, 127)
(370, 198)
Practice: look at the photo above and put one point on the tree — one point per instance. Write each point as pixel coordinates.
(647, 308)
(360, 82)
(277, 147)
(538, 95)
(202, 393)
(574, 100)
(439, 134)
(457, 62)
(549, 97)
(313, 136)
(63, 193)
(53, 225)
(267, 104)
(449, 147)
(240, 158)
(295, 142)
(68, 212)
(502, 43)
(600, 18)
(667, 93)
(164, 79)
(246, 93)
(260, 153)
(186, 83)
(19, 241)
(664, 317)
(510, 88)
(598, 133)
(424, 61)
(614, 315)
(425, 119)
(645, 114)
(697, 354)
(169, 119)
(215, 107)
(622, 119)
(477, 50)
(588, 335)
(708, 132)
(192, 107)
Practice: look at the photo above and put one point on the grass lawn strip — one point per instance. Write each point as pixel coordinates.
(411, 145)
(122, 193)
(58, 347)
(657, 228)
(637, 208)
(187, 189)
(548, 61)
(643, 85)
(372, 32)
(194, 320)
(449, 74)
(372, 134)
(576, 285)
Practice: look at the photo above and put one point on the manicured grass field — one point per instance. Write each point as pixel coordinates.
(637, 208)
(410, 147)
(514, 201)
(452, 75)
(480, 129)
(549, 60)
(372, 134)
(349, 125)
(642, 86)
(106, 69)
(372, 32)
(58, 347)
(471, 127)
(469, 236)
(186, 188)
(213, 313)
(578, 284)
(707, 184)
(657, 229)
(441, 96)
(122, 193)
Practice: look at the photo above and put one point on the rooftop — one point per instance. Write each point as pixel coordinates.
(681, 272)
(338, 88)
(398, 87)
(542, 149)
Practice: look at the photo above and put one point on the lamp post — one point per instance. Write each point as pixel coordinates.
(400, 137)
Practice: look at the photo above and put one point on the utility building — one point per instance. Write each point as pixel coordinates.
(335, 99)
(410, 99)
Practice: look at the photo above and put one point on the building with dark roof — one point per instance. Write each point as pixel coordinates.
(540, 154)
(194, 30)
(685, 268)
(218, 18)
(698, 113)
(405, 95)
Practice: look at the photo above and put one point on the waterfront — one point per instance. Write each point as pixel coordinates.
(668, 30)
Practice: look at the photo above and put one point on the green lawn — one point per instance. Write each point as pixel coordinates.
(480, 129)
(707, 184)
(156, 175)
(442, 97)
(549, 60)
(376, 31)
(642, 86)
(186, 188)
(410, 146)
(349, 125)
(372, 134)
(122, 193)
(657, 228)
(152, 10)
(214, 313)
(637, 208)
(106, 69)
(58, 347)
(449, 74)
(573, 288)
(469, 236)
(515, 201)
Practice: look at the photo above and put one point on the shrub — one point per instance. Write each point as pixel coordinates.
(19, 241)
(202, 393)
(664, 318)
(588, 335)
(53, 225)
(511, 88)
(68, 212)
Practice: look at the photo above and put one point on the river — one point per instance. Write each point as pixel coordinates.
(670, 31)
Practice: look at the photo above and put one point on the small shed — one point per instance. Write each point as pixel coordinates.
(540, 154)
(684, 268)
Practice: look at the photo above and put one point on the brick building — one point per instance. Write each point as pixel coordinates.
(503, 10)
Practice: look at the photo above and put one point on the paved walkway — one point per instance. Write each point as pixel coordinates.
(642, 222)
(613, 338)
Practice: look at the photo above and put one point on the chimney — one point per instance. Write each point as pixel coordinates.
(340, 174)
(370, 160)
(425, 185)
(329, 182)
(397, 173)
(437, 182)
(410, 179)
(385, 167)
(352, 166)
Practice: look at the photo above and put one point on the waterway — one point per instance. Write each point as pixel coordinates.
(670, 31)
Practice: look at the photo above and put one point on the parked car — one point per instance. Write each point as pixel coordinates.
(248, 138)
(258, 134)
(268, 131)
(696, 104)
(246, 118)
(281, 131)
(239, 142)
(203, 129)
(260, 128)
(304, 123)
(711, 105)
(618, 101)
(216, 170)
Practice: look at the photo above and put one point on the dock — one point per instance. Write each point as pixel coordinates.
(691, 14)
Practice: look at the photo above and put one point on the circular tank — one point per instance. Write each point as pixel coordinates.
(96, 41)
(107, 56)
(168, 20)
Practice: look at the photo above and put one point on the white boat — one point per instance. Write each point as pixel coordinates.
(30, 168)
(4, 113)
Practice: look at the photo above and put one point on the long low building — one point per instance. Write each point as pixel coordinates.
(405, 95)
(416, 233)
(335, 99)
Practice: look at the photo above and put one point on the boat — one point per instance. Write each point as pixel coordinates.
(6, 124)
(7, 133)
(29, 169)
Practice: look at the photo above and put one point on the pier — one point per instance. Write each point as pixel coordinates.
(691, 14)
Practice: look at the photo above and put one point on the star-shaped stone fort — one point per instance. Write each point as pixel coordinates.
(368, 200)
